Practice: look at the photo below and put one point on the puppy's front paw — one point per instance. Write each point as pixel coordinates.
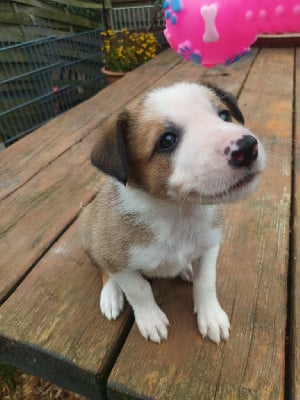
(213, 323)
(152, 323)
(111, 300)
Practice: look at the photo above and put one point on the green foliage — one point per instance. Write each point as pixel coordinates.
(7, 376)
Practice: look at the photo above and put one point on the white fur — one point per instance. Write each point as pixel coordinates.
(111, 300)
(184, 226)
(200, 165)
(212, 320)
(150, 319)
(183, 234)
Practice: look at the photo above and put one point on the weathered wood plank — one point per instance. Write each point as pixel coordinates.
(33, 216)
(252, 278)
(231, 79)
(30, 19)
(68, 129)
(264, 236)
(294, 365)
(23, 11)
(75, 3)
(60, 179)
(38, 211)
(52, 326)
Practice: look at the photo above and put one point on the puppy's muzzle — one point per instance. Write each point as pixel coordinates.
(243, 153)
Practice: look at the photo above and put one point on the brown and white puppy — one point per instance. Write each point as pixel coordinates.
(170, 161)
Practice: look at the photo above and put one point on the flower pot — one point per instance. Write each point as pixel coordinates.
(112, 76)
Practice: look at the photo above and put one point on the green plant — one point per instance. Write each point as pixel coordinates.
(7, 376)
(125, 51)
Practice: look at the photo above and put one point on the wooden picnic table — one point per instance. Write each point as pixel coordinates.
(50, 324)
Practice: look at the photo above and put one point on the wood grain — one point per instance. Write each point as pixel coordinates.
(231, 79)
(294, 366)
(252, 277)
(52, 325)
(36, 214)
(50, 177)
(46, 200)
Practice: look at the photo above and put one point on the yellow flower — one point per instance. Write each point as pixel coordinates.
(124, 51)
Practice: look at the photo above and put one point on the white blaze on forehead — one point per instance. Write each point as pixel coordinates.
(189, 107)
(183, 103)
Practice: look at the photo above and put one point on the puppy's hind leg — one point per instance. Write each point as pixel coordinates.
(111, 298)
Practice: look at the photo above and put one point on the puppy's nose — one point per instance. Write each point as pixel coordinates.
(245, 152)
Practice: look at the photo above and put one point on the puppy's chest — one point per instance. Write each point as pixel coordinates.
(176, 243)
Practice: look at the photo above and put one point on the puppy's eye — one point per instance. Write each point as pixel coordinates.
(167, 142)
(225, 115)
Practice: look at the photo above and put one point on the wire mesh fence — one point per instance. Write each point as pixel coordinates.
(135, 17)
(41, 78)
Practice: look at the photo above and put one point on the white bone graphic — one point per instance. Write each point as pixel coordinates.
(209, 14)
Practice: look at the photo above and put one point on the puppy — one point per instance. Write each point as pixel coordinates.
(169, 162)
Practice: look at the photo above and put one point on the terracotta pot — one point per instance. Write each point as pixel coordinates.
(111, 76)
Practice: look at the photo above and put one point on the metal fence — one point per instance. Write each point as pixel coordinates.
(135, 18)
(42, 78)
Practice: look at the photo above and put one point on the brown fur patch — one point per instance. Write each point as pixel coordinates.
(109, 153)
(106, 234)
(125, 147)
(105, 278)
(147, 169)
(124, 150)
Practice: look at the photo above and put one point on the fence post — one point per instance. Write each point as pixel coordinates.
(107, 6)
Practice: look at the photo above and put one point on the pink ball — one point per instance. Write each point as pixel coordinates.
(211, 32)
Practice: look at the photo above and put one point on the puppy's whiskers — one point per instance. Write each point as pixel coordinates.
(275, 156)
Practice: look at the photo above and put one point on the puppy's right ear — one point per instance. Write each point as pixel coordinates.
(109, 154)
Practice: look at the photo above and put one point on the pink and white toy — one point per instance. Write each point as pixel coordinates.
(211, 32)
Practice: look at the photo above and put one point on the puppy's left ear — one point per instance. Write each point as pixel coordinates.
(109, 154)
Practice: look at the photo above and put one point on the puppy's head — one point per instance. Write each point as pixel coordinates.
(186, 141)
